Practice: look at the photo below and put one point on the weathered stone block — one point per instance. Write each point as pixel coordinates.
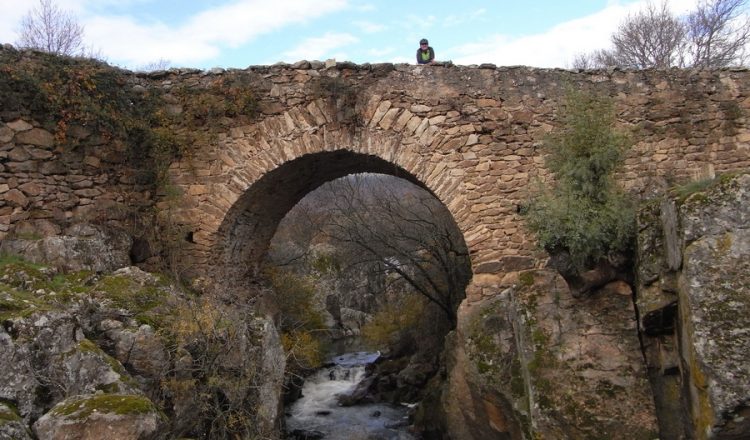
(19, 125)
(15, 197)
(6, 134)
(31, 189)
(18, 154)
(36, 136)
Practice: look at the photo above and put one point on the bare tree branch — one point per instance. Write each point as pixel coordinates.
(51, 29)
(650, 38)
(409, 233)
(718, 33)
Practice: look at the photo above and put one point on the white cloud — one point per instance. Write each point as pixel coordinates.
(557, 46)
(380, 53)
(12, 13)
(369, 27)
(317, 48)
(365, 7)
(458, 20)
(138, 44)
(202, 36)
(417, 23)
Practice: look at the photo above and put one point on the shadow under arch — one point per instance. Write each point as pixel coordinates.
(249, 225)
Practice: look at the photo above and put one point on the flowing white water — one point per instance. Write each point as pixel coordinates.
(318, 409)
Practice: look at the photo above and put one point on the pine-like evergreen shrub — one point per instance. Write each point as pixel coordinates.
(583, 211)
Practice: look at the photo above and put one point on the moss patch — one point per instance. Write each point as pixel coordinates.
(83, 407)
(144, 302)
(526, 279)
(706, 191)
(26, 288)
(8, 414)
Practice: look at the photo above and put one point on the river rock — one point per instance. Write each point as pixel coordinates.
(302, 434)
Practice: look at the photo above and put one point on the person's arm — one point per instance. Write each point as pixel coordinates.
(419, 57)
(432, 56)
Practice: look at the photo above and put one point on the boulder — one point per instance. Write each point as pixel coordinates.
(45, 358)
(353, 320)
(141, 350)
(101, 416)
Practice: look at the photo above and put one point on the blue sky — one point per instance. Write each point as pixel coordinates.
(238, 33)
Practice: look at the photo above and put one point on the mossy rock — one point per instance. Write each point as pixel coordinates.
(27, 288)
(81, 407)
(707, 191)
(120, 416)
(144, 301)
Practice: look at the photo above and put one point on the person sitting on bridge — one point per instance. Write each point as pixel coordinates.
(425, 53)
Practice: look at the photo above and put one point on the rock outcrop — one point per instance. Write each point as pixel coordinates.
(81, 246)
(125, 355)
(536, 361)
(694, 304)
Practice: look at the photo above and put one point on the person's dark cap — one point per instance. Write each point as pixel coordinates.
(423, 41)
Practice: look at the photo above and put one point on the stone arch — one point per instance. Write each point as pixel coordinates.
(263, 169)
(250, 223)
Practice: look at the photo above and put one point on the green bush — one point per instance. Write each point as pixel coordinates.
(583, 212)
(301, 321)
(395, 321)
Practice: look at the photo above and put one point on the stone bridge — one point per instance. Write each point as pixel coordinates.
(470, 135)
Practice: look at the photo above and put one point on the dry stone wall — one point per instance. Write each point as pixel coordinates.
(60, 205)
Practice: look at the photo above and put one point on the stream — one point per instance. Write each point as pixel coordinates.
(317, 415)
